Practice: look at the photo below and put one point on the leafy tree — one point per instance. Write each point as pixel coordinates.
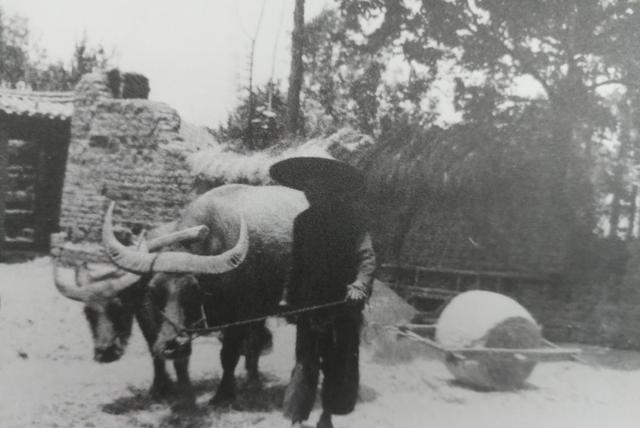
(269, 113)
(21, 63)
(570, 48)
(14, 42)
(345, 76)
(58, 77)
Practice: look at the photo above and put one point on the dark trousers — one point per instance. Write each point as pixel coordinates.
(332, 347)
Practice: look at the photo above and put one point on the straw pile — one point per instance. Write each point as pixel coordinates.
(483, 319)
(221, 163)
(386, 308)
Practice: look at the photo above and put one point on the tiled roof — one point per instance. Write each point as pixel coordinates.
(51, 105)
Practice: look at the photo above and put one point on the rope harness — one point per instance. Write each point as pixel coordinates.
(188, 334)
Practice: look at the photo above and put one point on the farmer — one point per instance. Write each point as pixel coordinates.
(332, 261)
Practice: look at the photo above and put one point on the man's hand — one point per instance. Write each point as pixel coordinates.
(285, 306)
(356, 292)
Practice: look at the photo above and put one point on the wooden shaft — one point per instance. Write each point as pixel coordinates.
(554, 353)
(534, 354)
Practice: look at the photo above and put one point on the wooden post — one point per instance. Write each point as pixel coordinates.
(4, 177)
(52, 147)
(458, 282)
(476, 283)
(41, 195)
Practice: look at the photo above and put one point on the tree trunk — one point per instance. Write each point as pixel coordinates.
(249, 136)
(574, 192)
(619, 170)
(559, 157)
(632, 212)
(295, 74)
(614, 217)
(4, 165)
(250, 114)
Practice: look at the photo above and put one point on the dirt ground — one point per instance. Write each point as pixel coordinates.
(48, 378)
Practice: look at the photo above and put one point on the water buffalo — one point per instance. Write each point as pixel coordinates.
(235, 273)
(112, 298)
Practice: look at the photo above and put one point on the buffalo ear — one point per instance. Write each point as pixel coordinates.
(82, 274)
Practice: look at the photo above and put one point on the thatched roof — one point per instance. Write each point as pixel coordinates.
(191, 139)
(438, 198)
(34, 104)
(433, 158)
(437, 160)
(222, 164)
(459, 198)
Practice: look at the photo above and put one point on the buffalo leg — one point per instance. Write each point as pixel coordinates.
(229, 357)
(257, 341)
(186, 395)
(162, 385)
(251, 365)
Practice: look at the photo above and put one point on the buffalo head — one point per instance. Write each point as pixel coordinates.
(174, 283)
(109, 296)
(106, 307)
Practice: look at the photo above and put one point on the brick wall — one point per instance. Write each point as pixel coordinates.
(127, 150)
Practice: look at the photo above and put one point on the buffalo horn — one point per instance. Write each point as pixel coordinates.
(172, 261)
(196, 232)
(71, 291)
(108, 283)
(86, 289)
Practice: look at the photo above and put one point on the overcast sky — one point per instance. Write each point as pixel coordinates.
(194, 52)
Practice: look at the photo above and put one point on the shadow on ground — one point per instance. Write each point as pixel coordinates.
(141, 399)
(256, 401)
(267, 399)
(454, 383)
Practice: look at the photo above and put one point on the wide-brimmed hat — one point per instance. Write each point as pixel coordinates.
(339, 176)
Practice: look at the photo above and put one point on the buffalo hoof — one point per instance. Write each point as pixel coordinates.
(221, 400)
(253, 383)
(162, 388)
(183, 404)
(324, 421)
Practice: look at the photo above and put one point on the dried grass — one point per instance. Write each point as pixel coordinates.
(225, 164)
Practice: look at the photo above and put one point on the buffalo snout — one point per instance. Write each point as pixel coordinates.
(174, 349)
(108, 354)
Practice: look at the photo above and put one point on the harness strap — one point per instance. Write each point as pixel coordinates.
(252, 320)
(192, 333)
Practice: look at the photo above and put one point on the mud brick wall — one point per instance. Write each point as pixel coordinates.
(122, 150)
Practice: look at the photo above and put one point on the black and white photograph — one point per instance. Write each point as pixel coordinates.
(319, 213)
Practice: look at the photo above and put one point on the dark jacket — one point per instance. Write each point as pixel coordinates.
(331, 249)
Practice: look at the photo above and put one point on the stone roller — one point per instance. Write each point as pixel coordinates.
(487, 341)
(478, 329)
